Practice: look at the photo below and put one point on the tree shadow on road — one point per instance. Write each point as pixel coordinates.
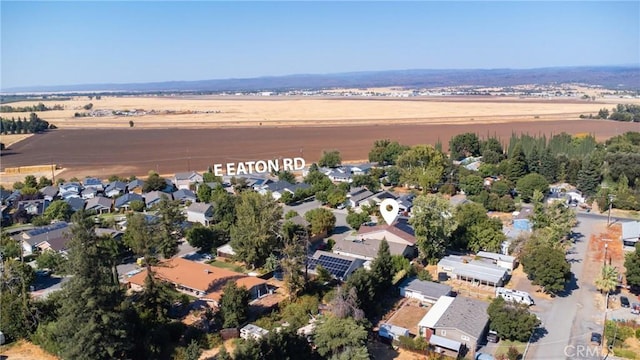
(341, 230)
(569, 286)
(576, 237)
(538, 334)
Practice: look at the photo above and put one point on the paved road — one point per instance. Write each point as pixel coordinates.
(571, 317)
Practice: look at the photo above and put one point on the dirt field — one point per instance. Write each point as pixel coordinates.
(409, 315)
(103, 152)
(216, 111)
(24, 350)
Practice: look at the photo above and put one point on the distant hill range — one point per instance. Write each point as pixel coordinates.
(611, 77)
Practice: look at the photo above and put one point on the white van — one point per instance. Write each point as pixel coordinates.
(520, 297)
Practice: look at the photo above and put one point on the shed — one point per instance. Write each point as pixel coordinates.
(630, 233)
(504, 261)
(425, 291)
(445, 346)
(252, 331)
(225, 251)
(392, 332)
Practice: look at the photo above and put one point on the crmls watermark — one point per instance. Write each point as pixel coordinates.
(583, 351)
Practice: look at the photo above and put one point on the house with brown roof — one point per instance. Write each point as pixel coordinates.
(398, 232)
(203, 281)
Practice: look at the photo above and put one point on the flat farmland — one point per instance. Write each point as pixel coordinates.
(245, 111)
(135, 151)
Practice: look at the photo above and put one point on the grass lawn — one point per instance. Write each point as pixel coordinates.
(227, 265)
(504, 346)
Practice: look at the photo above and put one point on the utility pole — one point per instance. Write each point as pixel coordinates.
(610, 197)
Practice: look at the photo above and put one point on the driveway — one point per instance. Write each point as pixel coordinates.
(570, 317)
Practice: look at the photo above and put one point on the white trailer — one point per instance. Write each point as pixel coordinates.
(520, 297)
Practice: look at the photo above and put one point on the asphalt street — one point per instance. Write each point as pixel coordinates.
(570, 317)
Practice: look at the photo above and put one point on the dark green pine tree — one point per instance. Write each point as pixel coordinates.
(533, 162)
(517, 164)
(548, 166)
(382, 270)
(589, 177)
(91, 324)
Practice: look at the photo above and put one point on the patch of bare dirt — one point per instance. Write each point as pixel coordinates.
(24, 350)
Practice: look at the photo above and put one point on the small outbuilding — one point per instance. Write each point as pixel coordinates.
(424, 291)
(392, 332)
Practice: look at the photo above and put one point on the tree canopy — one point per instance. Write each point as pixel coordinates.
(331, 158)
(322, 220)
(341, 338)
(234, 305)
(433, 223)
(510, 320)
(422, 166)
(255, 235)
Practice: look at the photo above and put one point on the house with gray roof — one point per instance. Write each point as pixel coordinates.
(115, 188)
(201, 213)
(4, 195)
(34, 207)
(184, 180)
(153, 197)
(99, 204)
(361, 169)
(357, 196)
(88, 193)
(630, 233)
(424, 291)
(367, 248)
(461, 320)
(278, 188)
(184, 195)
(124, 201)
(70, 189)
(93, 183)
(473, 270)
(49, 192)
(341, 174)
(50, 237)
(135, 186)
(76, 203)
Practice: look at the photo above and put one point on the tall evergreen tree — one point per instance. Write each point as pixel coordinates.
(91, 324)
(382, 270)
(169, 226)
(517, 164)
(589, 176)
(548, 166)
(234, 305)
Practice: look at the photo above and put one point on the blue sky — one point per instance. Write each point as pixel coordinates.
(62, 43)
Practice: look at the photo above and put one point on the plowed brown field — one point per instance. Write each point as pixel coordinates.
(103, 152)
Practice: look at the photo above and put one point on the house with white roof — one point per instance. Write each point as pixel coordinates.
(630, 233)
(473, 270)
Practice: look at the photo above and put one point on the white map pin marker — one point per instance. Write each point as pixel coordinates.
(389, 210)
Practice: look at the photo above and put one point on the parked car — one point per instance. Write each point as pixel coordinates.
(596, 338)
(624, 302)
(493, 337)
